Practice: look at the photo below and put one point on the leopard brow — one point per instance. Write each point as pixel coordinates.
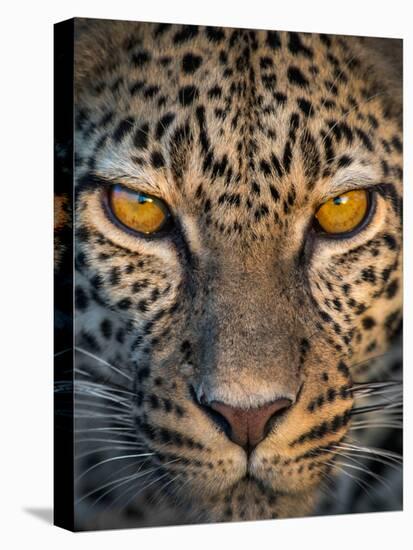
(356, 179)
(90, 182)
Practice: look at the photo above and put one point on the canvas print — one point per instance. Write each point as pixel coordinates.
(228, 263)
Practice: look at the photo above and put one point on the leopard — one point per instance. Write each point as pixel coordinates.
(225, 361)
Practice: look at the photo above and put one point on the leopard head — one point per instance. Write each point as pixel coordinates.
(224, 334)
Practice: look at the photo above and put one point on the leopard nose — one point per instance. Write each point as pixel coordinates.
(248, 427)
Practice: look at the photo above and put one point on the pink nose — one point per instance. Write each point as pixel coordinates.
(250, 426)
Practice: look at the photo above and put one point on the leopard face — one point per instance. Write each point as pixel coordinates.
(228, 341)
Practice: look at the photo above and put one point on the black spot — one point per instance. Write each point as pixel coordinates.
(325, 39)
(296, 46)
(81, 299)
(331, 394)
(328, 147)
(280, 98)
(142, 305)
(120, 336)
(161, 28)
(325, 316)
(143, 373)
(231, 199)
(368, 323)
(364, 138)
(136, 87)
(397, 144)
(329, 104)
(273, 40)
(191, 63)
(255, 188)
(276, 165)
(392, 289)
(390, 241)
(114, 277)
(106, 328)
(96, 281)
(265, 167)
(261, 212)
(151, 91)
(125, 303)
(157, 160)
(187, 95)
(123, 129)
(215, 92)
(140, 58)
(391, 322)
(296, 77)
(274, 193)
(337, 304)
(140, 139)
(305, 106)
(90, 342)
(344, 161)
(266, 62)
(215, 34)
(368, 275)
(311, 157)
(269, 81)
(186, 33)
(287, 157)
(163, 124)
(342, 367)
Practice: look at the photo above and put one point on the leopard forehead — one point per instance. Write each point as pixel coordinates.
(239, 124)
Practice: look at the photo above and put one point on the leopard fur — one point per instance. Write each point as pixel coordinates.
(243, 133)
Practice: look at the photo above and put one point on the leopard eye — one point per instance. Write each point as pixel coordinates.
(138, 211)
(344, 213)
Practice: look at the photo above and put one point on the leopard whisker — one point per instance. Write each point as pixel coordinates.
(103, 449)
(100, 360)
(114, 485)
(118, 420)
(367, 471)
(364, 485)
(349, 454)
(377, 407)
(106, 383)
(97, 440)
(134, 495)
(129, 500)
(103, 388)
(391, 385)
(161, 498)
(141, 488)
(373, 450)
(82, 372)
(372, 425)
(105, 461)
(83, 402)
(107, 429)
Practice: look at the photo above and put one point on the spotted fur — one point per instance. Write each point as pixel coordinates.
(243, 134)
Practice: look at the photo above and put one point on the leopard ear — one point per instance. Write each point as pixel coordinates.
(97, 43)
(385, 58)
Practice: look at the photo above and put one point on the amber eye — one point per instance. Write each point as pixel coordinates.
(344, 213)
(138, 211)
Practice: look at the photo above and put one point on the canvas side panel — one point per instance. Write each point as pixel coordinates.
(63, 270)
